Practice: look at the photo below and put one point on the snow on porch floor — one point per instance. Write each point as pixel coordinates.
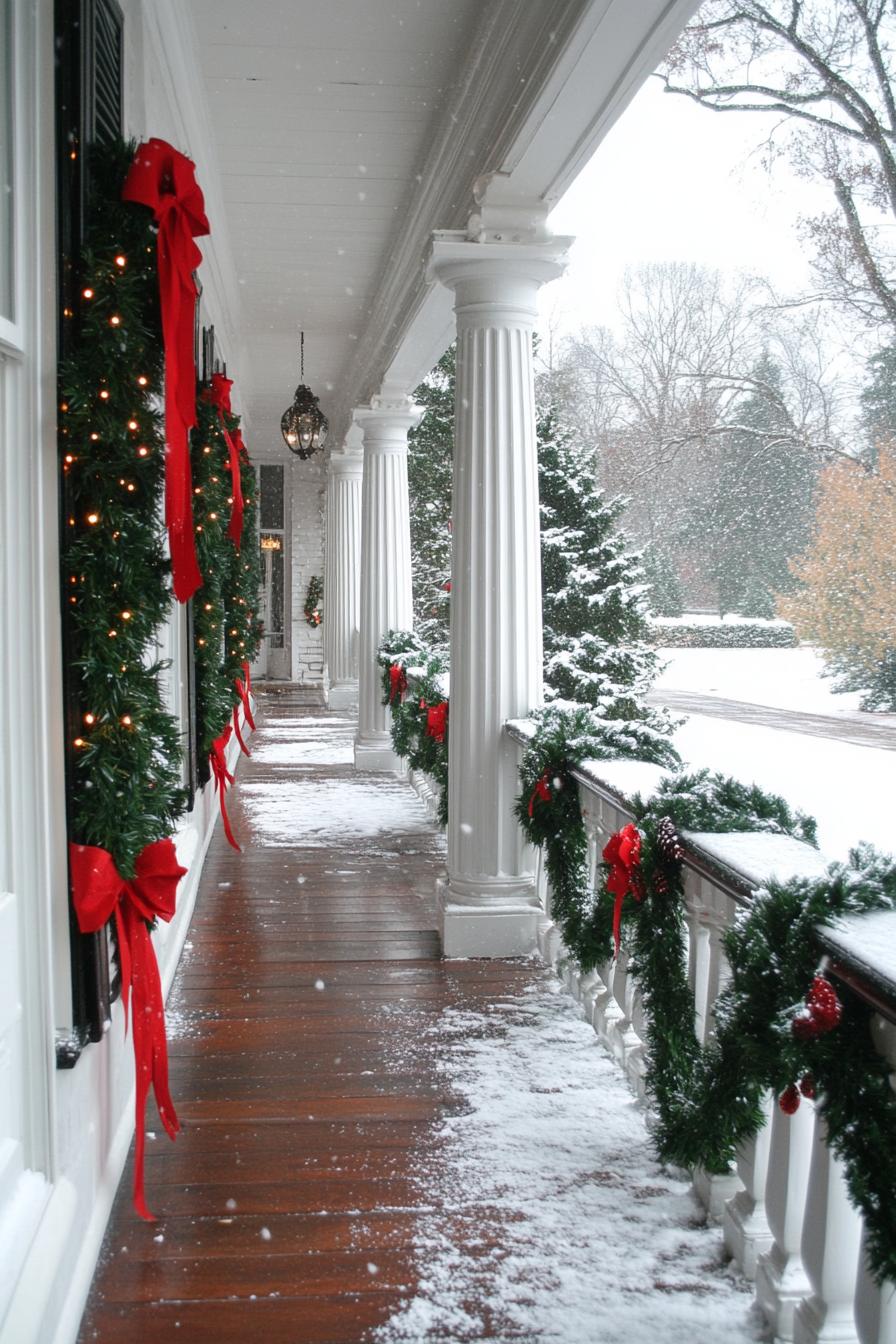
(378, 1145)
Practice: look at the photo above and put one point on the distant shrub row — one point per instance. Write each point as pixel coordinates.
(731, 632)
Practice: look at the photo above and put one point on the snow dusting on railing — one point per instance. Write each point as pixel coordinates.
(785, 1214)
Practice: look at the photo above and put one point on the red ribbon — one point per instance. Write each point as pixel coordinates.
(244, 691)
(437, 720)
(541, 792)
(398, 682)
(623, 853)
(164, 180)
(223, 777)
(236, 731)
(218, 395)
(99, 892)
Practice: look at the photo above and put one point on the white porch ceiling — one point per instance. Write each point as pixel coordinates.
(345, 132)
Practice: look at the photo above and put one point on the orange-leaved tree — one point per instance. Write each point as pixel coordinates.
(847, 602)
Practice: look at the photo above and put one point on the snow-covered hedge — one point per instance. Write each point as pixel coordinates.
(729, 632)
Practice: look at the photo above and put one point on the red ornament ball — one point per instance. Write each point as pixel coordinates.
(789, 1100)
(807, 1086)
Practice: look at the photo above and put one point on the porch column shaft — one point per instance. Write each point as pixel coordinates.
(385, 581)
(490, 905)
(342, 578)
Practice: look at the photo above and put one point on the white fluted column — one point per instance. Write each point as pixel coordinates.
(342, 576)
(386, 597)
(489, 905)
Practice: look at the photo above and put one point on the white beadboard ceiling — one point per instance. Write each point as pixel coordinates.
(320, 115)
(345, 131)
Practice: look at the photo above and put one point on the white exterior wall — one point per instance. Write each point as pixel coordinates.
(73, 1127)
(307, 483)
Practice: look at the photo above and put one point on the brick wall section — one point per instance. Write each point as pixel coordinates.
(309, 480)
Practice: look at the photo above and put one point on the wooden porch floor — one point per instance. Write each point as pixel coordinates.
(287, 1206)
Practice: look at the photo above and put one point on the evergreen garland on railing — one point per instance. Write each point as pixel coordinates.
(708, 1098)
(419, 712)
(126, 773)
(243, 627)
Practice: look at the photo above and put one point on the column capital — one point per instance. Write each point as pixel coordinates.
(347, 460)
(495, 281)
(387, 420)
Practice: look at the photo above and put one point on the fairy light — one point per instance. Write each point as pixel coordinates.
(142, 381)
(132, 424)
(208, 606)
(121, 261)
(200, 641)
(115, 320)
(142, 451)
(87, 293)
(69, 459)
(94, 438)
(131, 487)
(126, 615)
(79, 742)
(63, 406)
(92, 518)
(126, 720)
(113, 634)
(206, 449)
(90, 718)
(104, 395)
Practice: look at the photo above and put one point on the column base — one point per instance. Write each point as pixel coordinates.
(714, 1191)
(374, 752)
(495, 917)
(342, 695)
(781, 1284)
(746, 1232)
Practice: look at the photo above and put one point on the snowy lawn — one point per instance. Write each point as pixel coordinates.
(849, 790)
(781, 678)
(581, 1235)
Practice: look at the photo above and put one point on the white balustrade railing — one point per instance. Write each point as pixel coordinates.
(784, 1212)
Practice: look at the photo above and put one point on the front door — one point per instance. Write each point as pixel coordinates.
(274, 656)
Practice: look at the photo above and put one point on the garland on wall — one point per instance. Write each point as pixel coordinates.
(313, 600)
(125, 794)
(780, 1025)
(225, 624)
(419, 716)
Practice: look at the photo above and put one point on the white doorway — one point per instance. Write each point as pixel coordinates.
(274, 658)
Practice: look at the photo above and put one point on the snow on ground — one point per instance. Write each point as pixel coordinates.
(580, 1234)
(849, 790)
(781, 678)
(326, 813)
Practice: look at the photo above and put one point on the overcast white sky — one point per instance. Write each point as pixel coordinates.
(676, 182)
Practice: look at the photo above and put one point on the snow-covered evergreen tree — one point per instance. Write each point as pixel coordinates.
(594, 592)
(430, 460)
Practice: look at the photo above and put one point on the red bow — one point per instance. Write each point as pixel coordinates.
(99, 892)
(541, 792)
(437, 720)
(623, 853)
(398, 682)
(223, 777)
(164, 180)
(218, 395)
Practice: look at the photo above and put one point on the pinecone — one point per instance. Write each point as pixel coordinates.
(789, 1100)
(823, 1004)
(669, 841)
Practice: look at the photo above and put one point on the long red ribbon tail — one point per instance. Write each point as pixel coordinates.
(238, 735)
(235, 526)
(617, 921)
(223, 777)
(178, 298)
(124, 962)
(150, 1047)
(243, 692)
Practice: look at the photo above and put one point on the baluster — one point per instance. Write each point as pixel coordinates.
(745, 1224)
(832, 1231)
(781, 1280)
(876, 1303)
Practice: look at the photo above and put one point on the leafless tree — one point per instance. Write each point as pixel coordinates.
(823, 72)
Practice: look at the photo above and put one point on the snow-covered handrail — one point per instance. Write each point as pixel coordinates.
(786, 1216)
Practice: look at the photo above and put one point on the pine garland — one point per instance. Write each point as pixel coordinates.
(126, 760)
(708, 1098)
(413, 738)
(313, 599)
(242, 583)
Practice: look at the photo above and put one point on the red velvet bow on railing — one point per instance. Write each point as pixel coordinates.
(542, 792)
(218, 395)
(164, 179)
(398, 683)
(99, 892)
(437, 720)
(244, 691)
(623, 853)
(218, 762)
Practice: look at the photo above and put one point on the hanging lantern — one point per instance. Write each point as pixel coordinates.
(304, 426)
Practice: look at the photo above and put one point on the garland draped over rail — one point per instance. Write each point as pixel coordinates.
(419, 717)
(775, 1024)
